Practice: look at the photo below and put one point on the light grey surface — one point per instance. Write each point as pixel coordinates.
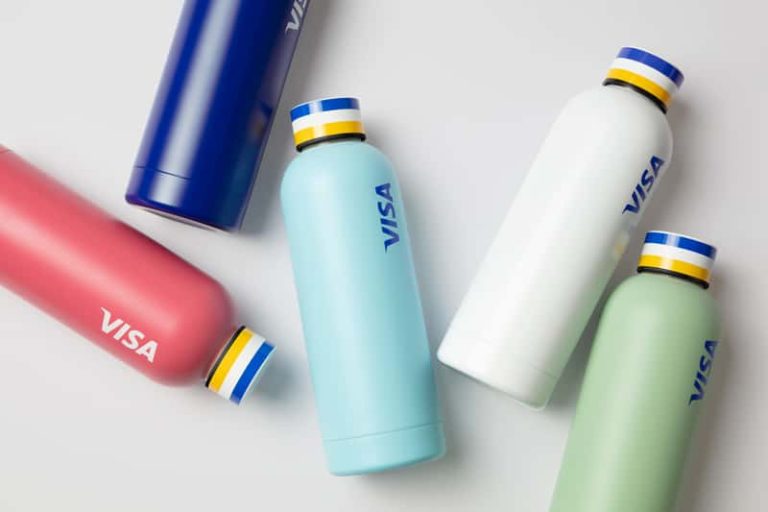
(460, 95)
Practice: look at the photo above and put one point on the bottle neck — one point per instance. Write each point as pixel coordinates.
(673, 274)
(621, 83)
(329, 139)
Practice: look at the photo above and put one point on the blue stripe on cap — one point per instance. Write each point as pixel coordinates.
(325, 105)
(251, 371)
(659, 237)
(653, 61)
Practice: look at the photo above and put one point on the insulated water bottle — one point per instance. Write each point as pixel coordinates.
(565, 232)
(214, 109)
(118, 288)
(647, 375)
(359, 299)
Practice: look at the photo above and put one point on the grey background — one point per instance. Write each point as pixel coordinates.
(460, 95)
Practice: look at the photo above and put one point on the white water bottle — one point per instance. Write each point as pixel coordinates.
(565, 232)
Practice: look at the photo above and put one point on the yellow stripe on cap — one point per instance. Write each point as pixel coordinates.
(327, 130)
(642, 82)
(680, 267)
(229, 359)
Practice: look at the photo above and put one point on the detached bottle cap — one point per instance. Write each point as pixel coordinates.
(326, 119)
(652, 75)
(236, 371)
(678, 254)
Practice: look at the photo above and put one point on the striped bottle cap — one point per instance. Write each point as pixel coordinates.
(326, 119)
(236, 370)
(652, 75)
(677, 254)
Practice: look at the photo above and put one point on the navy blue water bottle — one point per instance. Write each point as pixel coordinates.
(214, 109)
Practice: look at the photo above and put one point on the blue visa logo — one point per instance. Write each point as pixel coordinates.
(702, 374)
(388, 215)
(643, 188)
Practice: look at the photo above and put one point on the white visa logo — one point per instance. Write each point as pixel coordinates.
(297, 15)
(132, 339)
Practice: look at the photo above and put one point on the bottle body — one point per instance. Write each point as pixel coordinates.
(107, 281)
(214, 109)
(555, 251)
(359, 299)
(644, 385)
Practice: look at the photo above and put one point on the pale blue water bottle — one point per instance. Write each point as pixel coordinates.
(358, 294)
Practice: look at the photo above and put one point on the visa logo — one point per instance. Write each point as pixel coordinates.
(643, 188)
(297, 15)
(132, 339)
(388, 215)
(705, 368)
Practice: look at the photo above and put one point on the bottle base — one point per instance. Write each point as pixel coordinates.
(179, 218)
(178, 199)
(484, 362)
(386, 451)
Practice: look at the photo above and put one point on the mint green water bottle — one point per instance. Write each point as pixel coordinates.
(647, 375)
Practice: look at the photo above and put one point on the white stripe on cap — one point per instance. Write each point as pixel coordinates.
(646, 71)
(239, 366)
(676, 253)
(328, 116)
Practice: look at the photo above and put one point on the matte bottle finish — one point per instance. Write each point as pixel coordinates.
(559, 243)
(98, 275)
(639, 401)
(214, 109)
(362, 318)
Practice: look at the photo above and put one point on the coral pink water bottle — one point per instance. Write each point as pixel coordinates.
(118, 288)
